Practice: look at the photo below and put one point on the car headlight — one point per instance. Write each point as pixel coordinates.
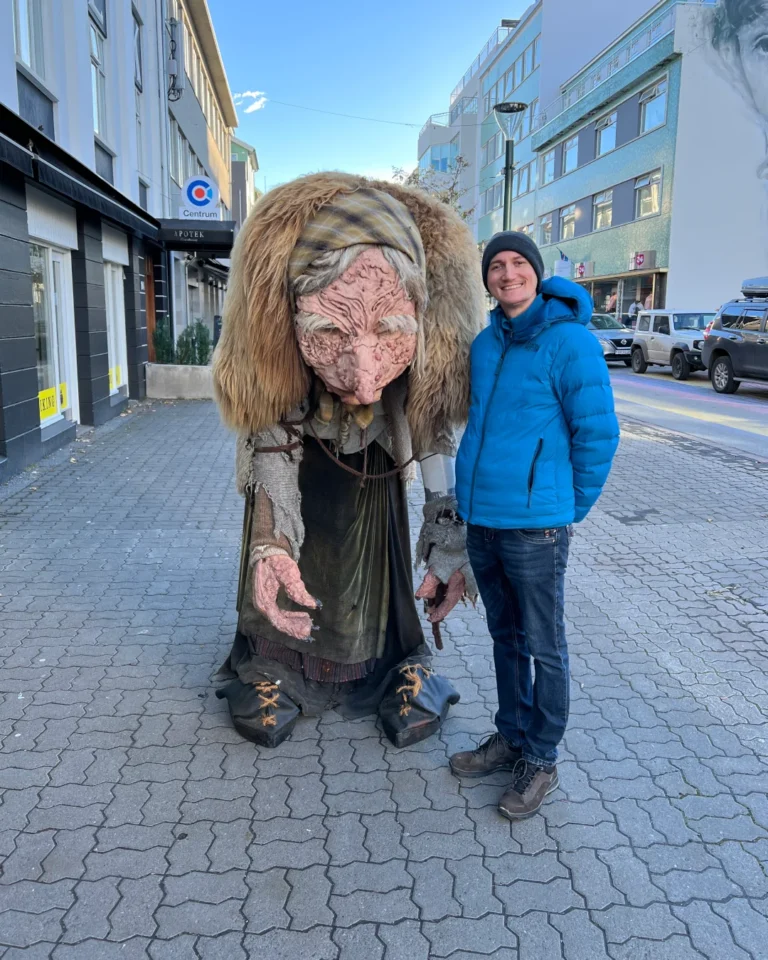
(606, 345)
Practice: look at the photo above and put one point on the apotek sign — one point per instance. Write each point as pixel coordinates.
(199, 199)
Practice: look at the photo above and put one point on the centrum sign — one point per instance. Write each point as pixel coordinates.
(199, 199)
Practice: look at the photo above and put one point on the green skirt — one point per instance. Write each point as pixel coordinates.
(356, 560)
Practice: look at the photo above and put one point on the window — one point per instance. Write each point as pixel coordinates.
(138, 66)
(606, 134)
(98, 10)
(570, 154)
(731, 318)
(603, 210)
(644, 323)
(523, 180)
(493, 149)
(116, 338)
(661, 326)
(28, 33)
(440, 158)
(545, 229)
(98, 82)
(527, 230)
(492, 198)
(568, 222)
(753, 319)
(143, 196)
(528, 61)
(534, 108)
(548, 167)
(176, 153)
(537, 52)
(648, 195)
(653, 106)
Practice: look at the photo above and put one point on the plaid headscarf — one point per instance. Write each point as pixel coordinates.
(364, 216)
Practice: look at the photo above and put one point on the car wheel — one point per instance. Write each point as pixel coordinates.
(681, 369)
(722, 376)
(638, 361)
(627, 363)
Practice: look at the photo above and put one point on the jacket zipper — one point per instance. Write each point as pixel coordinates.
(532, 471)
(496, 375)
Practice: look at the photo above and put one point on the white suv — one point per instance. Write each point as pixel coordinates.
(670, 338)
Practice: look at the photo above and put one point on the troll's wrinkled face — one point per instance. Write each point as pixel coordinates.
(359, 333)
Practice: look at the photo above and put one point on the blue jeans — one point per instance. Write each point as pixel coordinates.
(521, 577)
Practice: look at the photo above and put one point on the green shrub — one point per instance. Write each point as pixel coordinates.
(163, 341)
(194, 345)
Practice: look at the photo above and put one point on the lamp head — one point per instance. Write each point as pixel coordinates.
(508, 116)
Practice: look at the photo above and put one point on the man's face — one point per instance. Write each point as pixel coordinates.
(753, 44)
(512, 281)
(359, 333)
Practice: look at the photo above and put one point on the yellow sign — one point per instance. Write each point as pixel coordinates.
(47, 401)
(115, 377)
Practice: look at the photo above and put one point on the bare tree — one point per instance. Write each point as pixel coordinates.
(444, 186)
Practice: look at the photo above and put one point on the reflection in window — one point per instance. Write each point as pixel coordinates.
(28, 33)
(653, 106)
(41, 310)
(545, 229)
(604, 210)
(568, 222)
(570, 154)
(648, 195)
(606, 134)
(548, 167)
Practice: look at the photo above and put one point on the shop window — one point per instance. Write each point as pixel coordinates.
(606, 134)
(53, 314)
(545, 229)
(570, 154)
(648, 195)
(116, 341)
(653, 106)
(28, 34)
(568, 222)
(603, 210)
(548, 167)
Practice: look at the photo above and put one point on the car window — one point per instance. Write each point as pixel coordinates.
(693, 321)
(601, 321)
(661, 325)
(644, 322)
(730, 317)
(752, 319)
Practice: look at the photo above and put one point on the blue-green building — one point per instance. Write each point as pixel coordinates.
(639, 173)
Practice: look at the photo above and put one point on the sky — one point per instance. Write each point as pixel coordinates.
(397, 61)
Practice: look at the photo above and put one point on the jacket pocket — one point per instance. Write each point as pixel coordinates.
(532, 471)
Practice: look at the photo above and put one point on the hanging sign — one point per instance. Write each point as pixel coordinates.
(199, 199)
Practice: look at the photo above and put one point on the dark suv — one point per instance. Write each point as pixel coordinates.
(736, 342)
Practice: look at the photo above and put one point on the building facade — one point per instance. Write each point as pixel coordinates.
(619, 174)
(245, 191)
(86, 185)
(201, 119)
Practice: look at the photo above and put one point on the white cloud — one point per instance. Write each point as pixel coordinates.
(257, 97)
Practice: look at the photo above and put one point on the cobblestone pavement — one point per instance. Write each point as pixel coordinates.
(136, 823)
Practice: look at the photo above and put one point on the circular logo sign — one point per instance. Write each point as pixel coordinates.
(199, 193)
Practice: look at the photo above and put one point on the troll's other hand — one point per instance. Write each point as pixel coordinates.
(282, 571)
(454, 591)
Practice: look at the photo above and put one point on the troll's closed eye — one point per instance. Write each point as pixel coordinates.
(761, 45)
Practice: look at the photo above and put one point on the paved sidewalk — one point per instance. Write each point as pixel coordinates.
(135, 823)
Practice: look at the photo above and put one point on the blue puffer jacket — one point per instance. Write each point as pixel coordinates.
(542, 431)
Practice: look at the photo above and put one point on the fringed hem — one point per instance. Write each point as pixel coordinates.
(312, 668)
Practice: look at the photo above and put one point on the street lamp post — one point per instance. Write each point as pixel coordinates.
(507, 116)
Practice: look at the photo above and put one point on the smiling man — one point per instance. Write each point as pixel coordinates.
(536, 453)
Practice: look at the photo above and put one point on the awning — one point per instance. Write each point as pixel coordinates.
(15, 156)
(204, 237)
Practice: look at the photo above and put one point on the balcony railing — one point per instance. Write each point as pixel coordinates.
(618, 58)
(436, 120)
(497, 38)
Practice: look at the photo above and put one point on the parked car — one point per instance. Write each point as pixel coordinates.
(670, 338)
(736, 342)
(614, 337)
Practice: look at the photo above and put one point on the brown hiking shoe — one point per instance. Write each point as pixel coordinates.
(532, 786)
(494, 753)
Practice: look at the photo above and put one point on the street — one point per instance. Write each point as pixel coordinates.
(738, 421)
(136, 823)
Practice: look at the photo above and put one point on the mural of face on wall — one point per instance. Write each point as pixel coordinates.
(740, 37)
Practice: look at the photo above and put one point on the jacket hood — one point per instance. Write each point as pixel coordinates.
(560, 300)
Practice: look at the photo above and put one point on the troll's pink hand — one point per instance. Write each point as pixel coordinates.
(454, 592)
(271, 574)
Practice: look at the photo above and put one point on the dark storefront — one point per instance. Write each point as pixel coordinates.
(82, 273)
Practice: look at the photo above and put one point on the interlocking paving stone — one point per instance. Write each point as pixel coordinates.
(136, 823)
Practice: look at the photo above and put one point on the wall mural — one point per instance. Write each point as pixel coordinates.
(740, 38)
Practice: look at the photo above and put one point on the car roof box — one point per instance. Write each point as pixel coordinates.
(755, 288)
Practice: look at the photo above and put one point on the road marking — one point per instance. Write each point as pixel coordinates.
(710, 416)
